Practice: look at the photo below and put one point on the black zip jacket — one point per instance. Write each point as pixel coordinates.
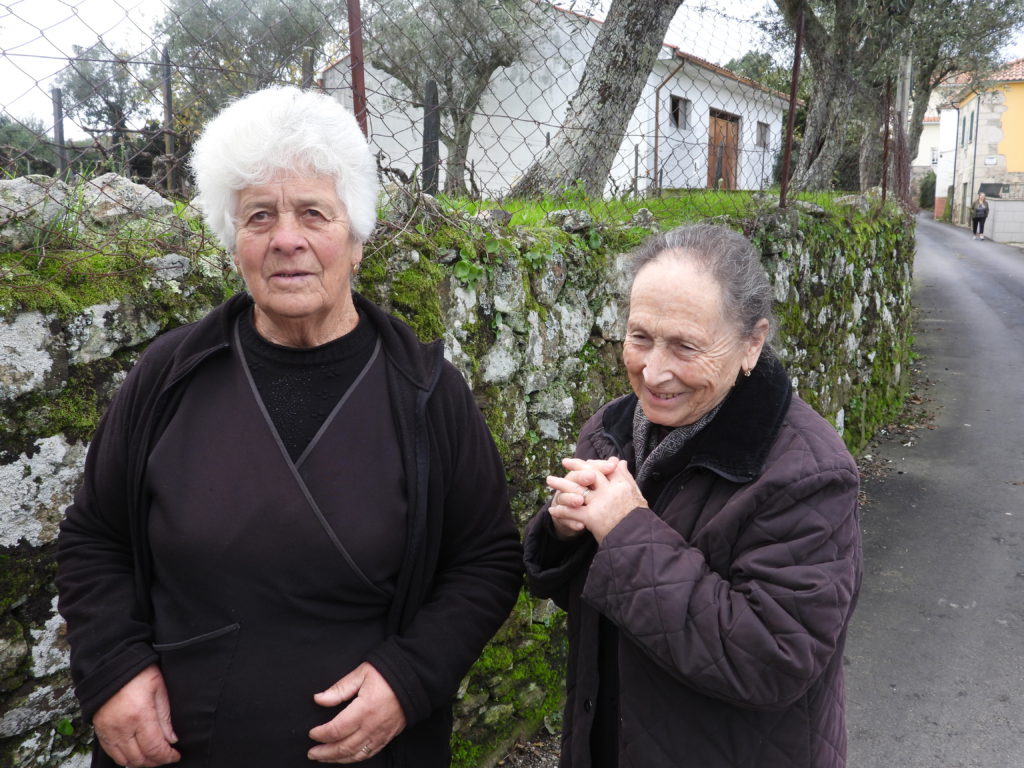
(460, 575)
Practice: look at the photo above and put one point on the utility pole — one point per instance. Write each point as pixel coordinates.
(903, 85)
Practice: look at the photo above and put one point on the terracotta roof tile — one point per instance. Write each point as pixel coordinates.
(1012, 71)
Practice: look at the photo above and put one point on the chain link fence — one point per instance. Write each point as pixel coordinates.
(459, 99)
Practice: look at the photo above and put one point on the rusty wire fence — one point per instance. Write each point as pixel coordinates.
(459, 99)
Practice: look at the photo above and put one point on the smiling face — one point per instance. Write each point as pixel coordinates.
(681, 353)
(296, 254)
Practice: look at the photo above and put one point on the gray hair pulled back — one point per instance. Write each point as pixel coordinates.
(729, 258)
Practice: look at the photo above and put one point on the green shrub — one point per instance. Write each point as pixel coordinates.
(927, 196)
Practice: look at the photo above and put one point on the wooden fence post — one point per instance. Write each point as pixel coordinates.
(165, 62)
(431, 134)
(58, 131)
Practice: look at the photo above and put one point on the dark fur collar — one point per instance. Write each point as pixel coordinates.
(736, 442)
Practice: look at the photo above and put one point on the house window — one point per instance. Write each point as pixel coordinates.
(963, 131)
(935, 155)
(679, 111)
(763, 133)
(970, 133)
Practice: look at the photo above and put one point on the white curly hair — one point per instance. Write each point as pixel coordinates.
(283, 129)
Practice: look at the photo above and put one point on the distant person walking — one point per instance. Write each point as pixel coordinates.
(979, 212)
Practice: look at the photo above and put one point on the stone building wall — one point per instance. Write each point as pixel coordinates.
(534, 319)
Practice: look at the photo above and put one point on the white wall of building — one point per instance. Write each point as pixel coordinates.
(1005, 222)
(946, 143)
(683, 150)
(927, 147)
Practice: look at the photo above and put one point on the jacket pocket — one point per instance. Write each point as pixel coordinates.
(194, 670)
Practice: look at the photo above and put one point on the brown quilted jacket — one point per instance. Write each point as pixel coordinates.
(727, 603)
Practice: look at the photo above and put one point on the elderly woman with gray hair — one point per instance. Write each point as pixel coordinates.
(704, 538)
(293, 537)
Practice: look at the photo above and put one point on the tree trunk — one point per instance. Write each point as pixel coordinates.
(461, 117)
(458, 104)
(458, 148)
(584, 148)
(824, 131)
(900, 165)
(831, 91)
(927, 73)
(119, 125)
(843, 56)
(871, 149)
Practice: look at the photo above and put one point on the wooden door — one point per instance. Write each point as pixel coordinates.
(723, 149)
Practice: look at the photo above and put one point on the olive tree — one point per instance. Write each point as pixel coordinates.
(104, 90)
(460, 46)
(223, 49)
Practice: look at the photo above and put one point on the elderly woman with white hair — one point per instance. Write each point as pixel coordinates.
(293, 536)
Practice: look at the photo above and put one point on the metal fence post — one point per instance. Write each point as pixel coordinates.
(355, 40)
(636, 169)
(657, 116)
(791, 117)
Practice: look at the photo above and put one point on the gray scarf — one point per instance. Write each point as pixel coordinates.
(649, 450)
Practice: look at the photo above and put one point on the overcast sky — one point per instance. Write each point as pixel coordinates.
(36, 38)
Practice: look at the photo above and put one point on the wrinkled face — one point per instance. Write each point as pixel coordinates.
(681, 354)
(295, 252)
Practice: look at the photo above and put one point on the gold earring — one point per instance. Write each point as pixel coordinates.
(746, 372)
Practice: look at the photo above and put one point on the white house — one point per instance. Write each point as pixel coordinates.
(945, 148)
(937, 147)
(696, 125)
(927, 149)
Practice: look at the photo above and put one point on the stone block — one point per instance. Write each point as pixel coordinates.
(29, 207)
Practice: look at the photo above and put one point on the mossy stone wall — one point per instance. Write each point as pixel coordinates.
(534, 319)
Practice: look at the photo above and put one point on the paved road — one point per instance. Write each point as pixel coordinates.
(935, 657)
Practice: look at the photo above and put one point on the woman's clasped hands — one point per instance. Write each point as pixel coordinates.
(594, 495)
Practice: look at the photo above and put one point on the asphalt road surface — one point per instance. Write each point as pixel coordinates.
(935, 656)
